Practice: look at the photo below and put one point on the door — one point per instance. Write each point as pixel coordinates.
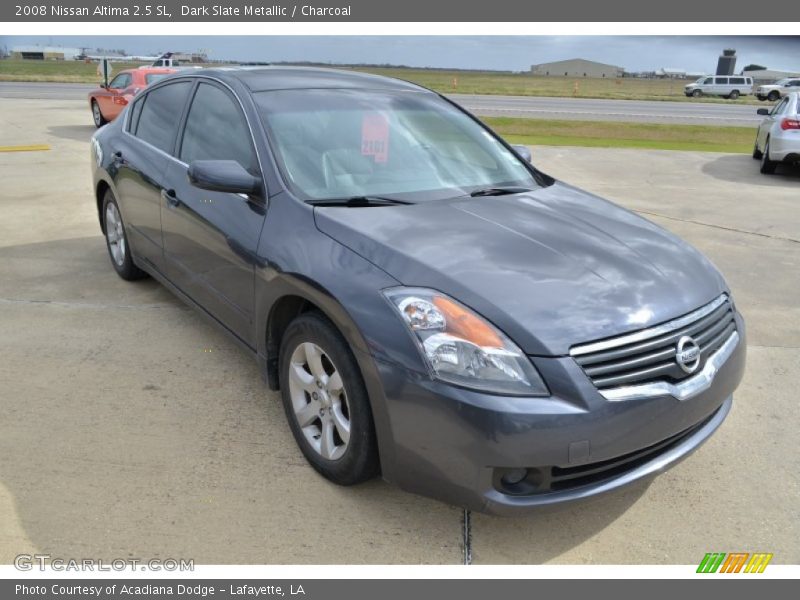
(141, 163)
(769, 121)
(211, 238)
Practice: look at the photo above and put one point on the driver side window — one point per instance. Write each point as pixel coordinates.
(122, 80)
(216, 129)
(780, 106)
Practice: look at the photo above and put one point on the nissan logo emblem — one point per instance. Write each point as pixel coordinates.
(687, 354)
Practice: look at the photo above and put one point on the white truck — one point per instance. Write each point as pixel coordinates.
(780, 88)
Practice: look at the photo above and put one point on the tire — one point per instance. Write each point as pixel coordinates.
(756, 152)
(697, 93)
(119, 250)
(330, 417)
(773, 95)
(734, 95)
(97, 115)
(767, 166)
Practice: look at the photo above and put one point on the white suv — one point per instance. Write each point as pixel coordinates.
(726, 86)
(773, 91)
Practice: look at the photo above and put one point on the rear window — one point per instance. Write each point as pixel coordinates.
(160, 113)
(153, 77)
(737, 80)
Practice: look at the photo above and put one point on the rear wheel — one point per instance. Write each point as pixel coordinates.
(767, 166)
(697, 93)
(734, 95)
(97, 115)
(326, 402)
(117, 241)
(773, 95)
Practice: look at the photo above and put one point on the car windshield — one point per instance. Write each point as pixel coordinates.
(153, 77)
(344, 143)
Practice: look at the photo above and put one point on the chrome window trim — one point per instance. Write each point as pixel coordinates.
(646, 334)
(685, 389)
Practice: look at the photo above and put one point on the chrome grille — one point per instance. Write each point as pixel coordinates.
(651, 355)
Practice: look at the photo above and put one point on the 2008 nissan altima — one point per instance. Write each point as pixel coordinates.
(430, 305)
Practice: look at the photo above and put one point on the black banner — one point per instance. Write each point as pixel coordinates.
(394, 11)
(342, 589)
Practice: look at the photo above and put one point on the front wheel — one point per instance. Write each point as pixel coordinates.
(326, 402)
(697, 93)
(773, 95)
(97, 115)
(767, 166)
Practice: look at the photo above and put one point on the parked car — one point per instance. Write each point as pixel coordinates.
(728, 87)
(430, 305)
(778, 89)
(107, 102)
(778, 136)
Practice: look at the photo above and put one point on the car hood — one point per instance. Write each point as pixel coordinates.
(551, 268)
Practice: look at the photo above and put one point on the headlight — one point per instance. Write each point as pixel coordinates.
(462, 348)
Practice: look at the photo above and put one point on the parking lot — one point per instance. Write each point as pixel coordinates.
(130, 428)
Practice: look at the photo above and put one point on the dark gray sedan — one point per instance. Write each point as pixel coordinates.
(430, 305)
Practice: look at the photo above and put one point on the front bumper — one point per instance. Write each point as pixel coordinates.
(452, 444)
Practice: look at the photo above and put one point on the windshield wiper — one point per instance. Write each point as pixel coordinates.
(358, 201)
(498, 191)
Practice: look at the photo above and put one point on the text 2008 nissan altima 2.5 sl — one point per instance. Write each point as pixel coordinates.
(431, 306)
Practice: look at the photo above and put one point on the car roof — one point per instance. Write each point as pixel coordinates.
(261, 79)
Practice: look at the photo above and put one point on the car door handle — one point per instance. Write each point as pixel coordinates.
(171, 198)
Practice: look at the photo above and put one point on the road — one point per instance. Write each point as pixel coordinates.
(584, 109)
(131, 428)
(588, 109)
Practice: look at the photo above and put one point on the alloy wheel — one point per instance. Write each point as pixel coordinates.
(115, 234)
(98, 117)
(319, 401)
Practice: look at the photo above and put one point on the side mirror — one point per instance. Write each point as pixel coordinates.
(523, 151)
(762, 111)
(222, 176)
(103, 85)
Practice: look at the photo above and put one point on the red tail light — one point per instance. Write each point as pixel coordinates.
(790, 124)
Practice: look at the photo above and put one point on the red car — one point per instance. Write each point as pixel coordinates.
(107, 102)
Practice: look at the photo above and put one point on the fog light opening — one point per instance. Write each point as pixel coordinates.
(513, 476)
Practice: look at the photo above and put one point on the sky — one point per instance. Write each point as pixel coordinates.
(512, 53)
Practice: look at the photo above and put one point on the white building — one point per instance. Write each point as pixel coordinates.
(44, 52)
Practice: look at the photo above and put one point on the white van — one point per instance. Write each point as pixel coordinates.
(727, 86)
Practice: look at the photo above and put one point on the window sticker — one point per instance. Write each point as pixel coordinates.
(375, 137)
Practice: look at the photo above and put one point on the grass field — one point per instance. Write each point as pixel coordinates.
(464, 82)
(604, 134)
(523, 84)
(66, 71)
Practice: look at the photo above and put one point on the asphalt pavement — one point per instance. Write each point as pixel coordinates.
(582, 109)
